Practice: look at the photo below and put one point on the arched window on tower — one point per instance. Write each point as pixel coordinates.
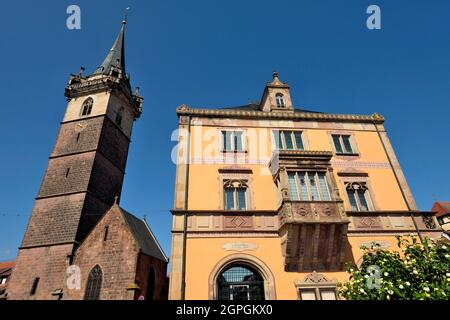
(280, 100)
(87, 107)
(94, 284)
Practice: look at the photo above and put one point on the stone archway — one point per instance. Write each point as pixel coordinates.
(245, 260)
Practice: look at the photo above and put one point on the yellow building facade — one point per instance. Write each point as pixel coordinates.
(272, 201)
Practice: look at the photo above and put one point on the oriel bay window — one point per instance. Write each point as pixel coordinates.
(232, 141)
(235, 194)
(358, 196)
(308, 186)
(288, 140)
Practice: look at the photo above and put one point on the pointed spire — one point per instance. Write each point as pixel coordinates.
(116, 55)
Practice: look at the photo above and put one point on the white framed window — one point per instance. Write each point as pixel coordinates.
(308, 186)
(307, 294)
(318, 294)
(288, 140)
(235, 194)
(343, 144)
(358, 196)
(316, 287)
(232, 141)
(280, 100)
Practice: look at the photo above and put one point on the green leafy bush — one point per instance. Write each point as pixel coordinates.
(420, 271)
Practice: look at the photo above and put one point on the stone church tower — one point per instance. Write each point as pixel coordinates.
(84, 175)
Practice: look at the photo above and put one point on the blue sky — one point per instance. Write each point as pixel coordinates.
(215, 54)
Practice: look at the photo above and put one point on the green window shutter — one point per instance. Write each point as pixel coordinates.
(298, 140)
(293, 186)
(337, 143)
(242, 205)
(238, 141)
(325, 195)
(347, 144)
(362, 200)
(277, 138)
(229, 198)
(226, 136)
(304, 188)
(352, 199)
(313, 187)
(288, 139)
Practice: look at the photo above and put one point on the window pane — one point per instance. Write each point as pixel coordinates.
(313, 186)
(362, 200)
(328, 294)
(337, 143)
(280, 100)
(241, 198)
(226, 135)
(298, 140)
(308, 295)
(277, 137)
(229, 198)
(293, 186)
(304, 189)
(351, 198)
(288, 139)
(323, 187)
(238, 141)
(347, 144)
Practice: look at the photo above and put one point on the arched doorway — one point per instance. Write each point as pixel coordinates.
(94, 284)
(150, 285)
(240, 282)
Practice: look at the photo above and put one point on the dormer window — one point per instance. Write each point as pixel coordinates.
(87, 107)
(280, 100)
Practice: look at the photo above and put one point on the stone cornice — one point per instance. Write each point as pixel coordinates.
(79, 86)
(184, 110)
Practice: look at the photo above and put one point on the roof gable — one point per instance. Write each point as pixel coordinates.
(144, 237)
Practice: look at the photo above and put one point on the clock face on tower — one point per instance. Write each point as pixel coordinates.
(80, 127)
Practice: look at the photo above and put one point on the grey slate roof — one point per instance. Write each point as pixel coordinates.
(144, 236)
(116, 55)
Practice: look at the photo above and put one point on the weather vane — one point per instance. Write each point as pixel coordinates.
(125, 16)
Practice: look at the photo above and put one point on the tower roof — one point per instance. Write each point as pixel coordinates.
(116, 55)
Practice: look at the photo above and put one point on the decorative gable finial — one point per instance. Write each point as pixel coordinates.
(276, 81)
(116, 199)
(275, 75)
